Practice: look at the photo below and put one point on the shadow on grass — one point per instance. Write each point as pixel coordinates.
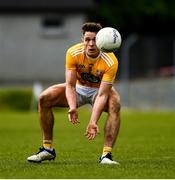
(66, 162)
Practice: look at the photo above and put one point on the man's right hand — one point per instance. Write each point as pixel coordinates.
(73, 116)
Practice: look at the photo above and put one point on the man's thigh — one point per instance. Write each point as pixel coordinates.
(113, 99)
(55, 95)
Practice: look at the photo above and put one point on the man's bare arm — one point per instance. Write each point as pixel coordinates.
(98, 108)
(71, 95)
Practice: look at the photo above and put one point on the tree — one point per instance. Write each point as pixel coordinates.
(139, 16)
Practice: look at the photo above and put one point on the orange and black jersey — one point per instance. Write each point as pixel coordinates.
(91, 72)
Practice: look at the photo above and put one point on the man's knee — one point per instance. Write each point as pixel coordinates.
(115, 108)
(43, 99)
(118, 106)
(114, 103)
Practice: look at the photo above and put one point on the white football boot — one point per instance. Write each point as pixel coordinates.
(107, 160)
(42, 155)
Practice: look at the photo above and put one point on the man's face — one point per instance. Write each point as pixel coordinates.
(90, 45)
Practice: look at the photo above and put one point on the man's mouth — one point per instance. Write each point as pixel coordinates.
(92, 50)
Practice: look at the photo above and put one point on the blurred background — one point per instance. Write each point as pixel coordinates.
(35, 34)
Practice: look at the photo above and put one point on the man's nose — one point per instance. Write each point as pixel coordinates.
(91, 42)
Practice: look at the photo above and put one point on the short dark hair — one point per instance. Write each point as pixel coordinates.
(91, 27)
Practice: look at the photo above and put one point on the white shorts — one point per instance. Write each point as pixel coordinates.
(85, 95)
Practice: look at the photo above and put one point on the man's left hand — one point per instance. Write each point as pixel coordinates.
(91, 131)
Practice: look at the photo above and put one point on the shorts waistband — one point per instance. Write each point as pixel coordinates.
(86, 91)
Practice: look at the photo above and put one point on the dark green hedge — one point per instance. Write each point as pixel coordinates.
(15, 99)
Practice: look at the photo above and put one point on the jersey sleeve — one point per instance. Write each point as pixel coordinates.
(70, 61)
(109, 75)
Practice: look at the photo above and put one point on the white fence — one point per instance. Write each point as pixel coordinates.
(148, 94)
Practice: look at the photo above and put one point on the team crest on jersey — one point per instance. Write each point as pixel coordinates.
(81, 66)
(90, 78)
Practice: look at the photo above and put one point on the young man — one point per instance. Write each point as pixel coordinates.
(89, 79)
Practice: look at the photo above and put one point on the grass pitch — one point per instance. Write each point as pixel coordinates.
(145, 147)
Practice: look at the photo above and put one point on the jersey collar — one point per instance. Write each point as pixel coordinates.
(93, 59)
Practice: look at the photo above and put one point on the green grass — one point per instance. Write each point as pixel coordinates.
(145, 147)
